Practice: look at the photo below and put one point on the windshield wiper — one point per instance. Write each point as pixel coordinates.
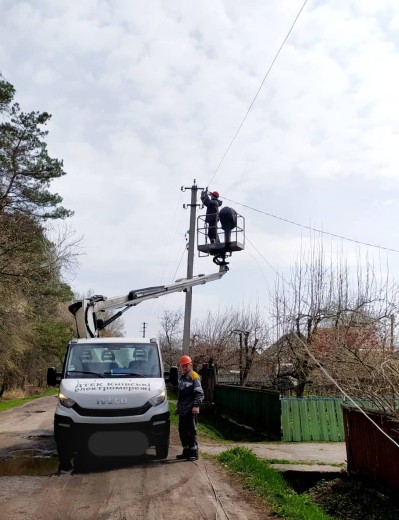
(131, 374)
(84, 372)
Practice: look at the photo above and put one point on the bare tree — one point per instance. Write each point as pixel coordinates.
(66, 247)
(170, 336)
(341, 319)
(216, 341)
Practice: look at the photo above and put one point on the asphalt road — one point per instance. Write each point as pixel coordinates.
(143, 489)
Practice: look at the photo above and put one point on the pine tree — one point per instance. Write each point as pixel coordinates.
(26, 169)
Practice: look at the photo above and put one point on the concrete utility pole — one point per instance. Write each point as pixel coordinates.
(190, 263)
(144, 327)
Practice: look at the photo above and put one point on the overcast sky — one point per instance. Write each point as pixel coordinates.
(147, 96)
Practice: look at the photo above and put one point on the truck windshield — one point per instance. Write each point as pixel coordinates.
(115, 360)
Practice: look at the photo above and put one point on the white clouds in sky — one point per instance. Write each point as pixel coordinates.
(146, 96)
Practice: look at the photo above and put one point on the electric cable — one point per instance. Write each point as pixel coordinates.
(165, 276)
(173, 231)
(268, 263)
(177, 268)
(314, 229)
(215, 494)
(258, 91)
(176, 257)
(161, 302)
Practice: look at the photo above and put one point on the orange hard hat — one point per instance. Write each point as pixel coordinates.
(215, 194)
(184, 360)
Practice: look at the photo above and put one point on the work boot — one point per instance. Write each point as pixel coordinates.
(183, 455)
(192, 455)
(65, 467)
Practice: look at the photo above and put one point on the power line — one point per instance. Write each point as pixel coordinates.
(313, 229)
(258, 91)
(161, 303)
(260, 254)
(173, 231)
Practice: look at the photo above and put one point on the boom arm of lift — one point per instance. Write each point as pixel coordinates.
(87, 311)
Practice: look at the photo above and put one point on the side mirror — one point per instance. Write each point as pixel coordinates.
(174, 377)
(53, 377)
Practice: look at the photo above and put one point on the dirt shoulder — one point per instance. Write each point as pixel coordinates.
(329, 456)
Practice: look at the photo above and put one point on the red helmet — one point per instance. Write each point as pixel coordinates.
(215, 194)
(184, 360)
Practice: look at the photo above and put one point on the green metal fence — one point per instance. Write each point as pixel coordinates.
(260, 409)
(312, 419)
(289, 418)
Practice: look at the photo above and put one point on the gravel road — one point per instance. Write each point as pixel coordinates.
(145, 489)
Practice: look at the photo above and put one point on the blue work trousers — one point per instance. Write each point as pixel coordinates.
(188, 431)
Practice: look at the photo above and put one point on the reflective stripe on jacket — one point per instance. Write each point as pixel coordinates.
(190, 393)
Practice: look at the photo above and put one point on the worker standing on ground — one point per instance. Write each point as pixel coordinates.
(190, 395)
(212, 204)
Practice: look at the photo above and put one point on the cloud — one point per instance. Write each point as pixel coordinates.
(147, 96)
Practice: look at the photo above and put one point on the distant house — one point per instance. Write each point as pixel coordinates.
(347, 353)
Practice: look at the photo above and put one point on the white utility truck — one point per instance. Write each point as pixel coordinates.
(112, 400)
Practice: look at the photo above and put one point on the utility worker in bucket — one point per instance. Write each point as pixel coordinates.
(190, 395)
(212, 204)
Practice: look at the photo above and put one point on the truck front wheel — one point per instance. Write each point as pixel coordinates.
(162, 450)
(64, 457)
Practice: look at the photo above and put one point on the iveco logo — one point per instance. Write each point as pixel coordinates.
(116, 400)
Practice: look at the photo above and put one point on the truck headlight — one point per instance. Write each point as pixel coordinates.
(158, 399)
(65, 401)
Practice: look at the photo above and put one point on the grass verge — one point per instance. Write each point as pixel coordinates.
(218, 428)
(7, 404)
(257, 476)
(174, 419)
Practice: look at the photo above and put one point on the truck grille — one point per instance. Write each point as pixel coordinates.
(111, 412)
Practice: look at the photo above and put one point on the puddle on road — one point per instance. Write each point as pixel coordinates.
(41, 463)
(29, 463)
